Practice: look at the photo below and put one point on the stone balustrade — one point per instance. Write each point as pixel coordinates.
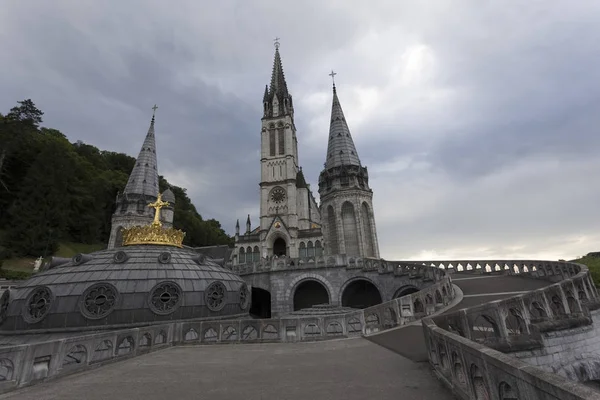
(466, 348)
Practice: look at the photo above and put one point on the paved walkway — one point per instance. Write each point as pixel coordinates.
(350, 369)
(409, 342)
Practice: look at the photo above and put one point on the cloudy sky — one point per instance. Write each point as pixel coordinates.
(479, 121)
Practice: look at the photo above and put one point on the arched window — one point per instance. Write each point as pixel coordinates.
(272, 142)
(318, 248)
(302, 249)
(256, 254)
(350, 229)
(281, 140)
(242, 259)
(249, 254)
(310, 249)
(368, 232)
(333, 243)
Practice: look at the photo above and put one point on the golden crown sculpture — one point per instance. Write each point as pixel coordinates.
(154, 233)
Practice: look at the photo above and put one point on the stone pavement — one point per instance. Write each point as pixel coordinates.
(409, 342)
(345, 369)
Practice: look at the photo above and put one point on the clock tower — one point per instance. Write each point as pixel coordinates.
(288, 210)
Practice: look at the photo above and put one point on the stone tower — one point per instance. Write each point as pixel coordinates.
(346, 199)
(289, 215)
(142, 188)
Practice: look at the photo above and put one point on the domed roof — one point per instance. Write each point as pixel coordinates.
(169, 196)
(124, 287)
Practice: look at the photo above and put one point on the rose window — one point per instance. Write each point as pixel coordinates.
(38, 305)
(215, 296)
(99, 300)
(165, 298)
(278, 195)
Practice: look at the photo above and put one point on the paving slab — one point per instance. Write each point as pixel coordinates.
(349, 369)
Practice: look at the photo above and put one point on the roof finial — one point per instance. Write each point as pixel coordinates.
(332, 75)
(154, 110)
(276, 43)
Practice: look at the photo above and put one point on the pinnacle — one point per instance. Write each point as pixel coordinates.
(340, 149)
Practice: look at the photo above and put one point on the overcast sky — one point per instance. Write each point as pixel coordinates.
(479, 121)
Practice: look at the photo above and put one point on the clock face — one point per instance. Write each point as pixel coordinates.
(278, 195)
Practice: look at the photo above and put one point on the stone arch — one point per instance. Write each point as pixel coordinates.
(457, 369)
(255, 254)
(438, 297)
(350, 229)
(480, 389)
(260, 306)
(146, 340)
(161, 338)
(418, 307)
(126, 346)
(310, 292)
(292, 286)
(318, 248)
(242, 256)
(405, 290)
(506, 392)
(6, 369)
(360, 292)
(537, 311)
(278, 241)
(483, 328)
(515, 324)
(367, 230)
(333, 239)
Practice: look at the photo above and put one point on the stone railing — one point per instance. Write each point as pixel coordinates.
(466, 348)
(32, 361)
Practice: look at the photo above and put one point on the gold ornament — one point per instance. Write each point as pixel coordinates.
(154, 233)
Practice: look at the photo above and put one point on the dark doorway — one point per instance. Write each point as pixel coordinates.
(360, 294)
(261, 303)
(310, 293)
(404, 290)
(279, 247)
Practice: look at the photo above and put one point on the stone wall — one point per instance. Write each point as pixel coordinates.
(548, 327)
(38, 359)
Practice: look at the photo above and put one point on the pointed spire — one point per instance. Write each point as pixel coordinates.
(248, 225)
(237, 227)
(266, 95)
(278, 89)
(340, 149)
(143, 179)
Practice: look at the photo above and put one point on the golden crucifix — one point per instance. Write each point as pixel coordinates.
(157, 205)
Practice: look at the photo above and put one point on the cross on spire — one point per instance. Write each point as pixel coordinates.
(276, 43)
(154, 110)
(332, 75)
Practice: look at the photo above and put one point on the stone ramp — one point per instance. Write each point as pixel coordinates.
(348, 369)
(409, 342)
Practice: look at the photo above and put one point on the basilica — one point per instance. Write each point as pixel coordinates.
(291, 223)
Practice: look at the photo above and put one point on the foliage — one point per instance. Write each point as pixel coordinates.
(593, 263)
(14, 275)
(53, 191)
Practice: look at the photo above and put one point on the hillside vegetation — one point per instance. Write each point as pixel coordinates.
(57, 197)
(593, 263)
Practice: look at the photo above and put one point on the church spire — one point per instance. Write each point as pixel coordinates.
(277, 99)
(143, 179)
(340, 149)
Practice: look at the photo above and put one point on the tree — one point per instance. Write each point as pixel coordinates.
(39, 213)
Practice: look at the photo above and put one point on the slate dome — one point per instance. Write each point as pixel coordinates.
(124, 287)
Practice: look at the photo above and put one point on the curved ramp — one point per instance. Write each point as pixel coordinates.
(409, 342)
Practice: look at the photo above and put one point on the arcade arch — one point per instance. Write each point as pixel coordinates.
(360, 293)
(261, 303)
(308, 293)
(404, 290)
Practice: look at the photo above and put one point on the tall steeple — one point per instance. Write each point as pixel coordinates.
(142, 188)
(346, 198)
(340, 149)
(277, 100)
(143, 179)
